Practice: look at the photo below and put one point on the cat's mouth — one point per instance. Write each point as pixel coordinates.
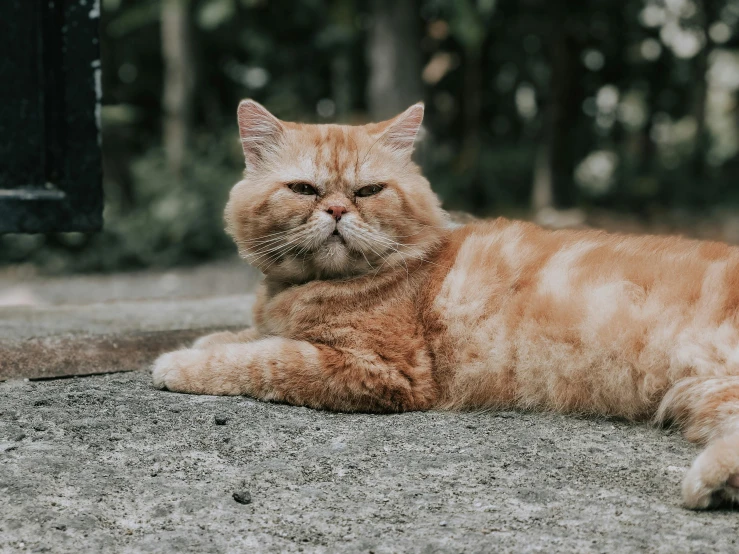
(335, 237)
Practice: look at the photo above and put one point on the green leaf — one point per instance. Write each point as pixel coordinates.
(214, 13)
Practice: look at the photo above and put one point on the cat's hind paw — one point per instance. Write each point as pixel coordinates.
(713, 479)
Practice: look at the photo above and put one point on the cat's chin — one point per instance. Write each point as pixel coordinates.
(331, 260)
(333, 257)
(333, 239)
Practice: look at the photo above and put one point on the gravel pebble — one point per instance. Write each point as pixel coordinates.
(242, 496)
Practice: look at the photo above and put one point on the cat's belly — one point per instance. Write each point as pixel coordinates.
(492, 365)
(551, 341)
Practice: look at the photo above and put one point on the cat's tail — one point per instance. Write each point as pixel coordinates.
(707, 411)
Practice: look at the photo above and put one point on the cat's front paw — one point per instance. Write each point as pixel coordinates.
(180, 371)
(713, 479)
(224, 337)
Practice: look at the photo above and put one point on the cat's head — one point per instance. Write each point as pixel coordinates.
(331, 201)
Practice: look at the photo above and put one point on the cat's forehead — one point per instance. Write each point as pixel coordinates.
(340, 139)
(330, 154)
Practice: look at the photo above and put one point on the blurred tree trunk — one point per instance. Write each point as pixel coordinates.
(342, 16)
(555, 161)
(118, 180)
(707, 14)
(394, 57)
(472, 112)
(647, 163)
(542, 194)
(470, 25)
(179, 81)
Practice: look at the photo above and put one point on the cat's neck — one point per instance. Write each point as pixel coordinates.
(410, 273)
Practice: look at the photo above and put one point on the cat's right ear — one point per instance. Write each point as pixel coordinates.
(260, 132)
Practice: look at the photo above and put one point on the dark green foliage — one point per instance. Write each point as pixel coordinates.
(621, 113)
(174, 221)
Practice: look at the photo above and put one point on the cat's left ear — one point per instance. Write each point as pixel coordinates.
(400, 132)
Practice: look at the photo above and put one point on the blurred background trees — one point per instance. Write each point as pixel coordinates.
(532, 105)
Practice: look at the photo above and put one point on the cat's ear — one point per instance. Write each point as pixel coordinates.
(259, 130)
(400, 132)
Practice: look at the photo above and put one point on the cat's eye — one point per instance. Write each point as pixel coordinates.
(303, 188)
(369, 190)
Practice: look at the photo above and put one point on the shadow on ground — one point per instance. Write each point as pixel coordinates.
(108, 464)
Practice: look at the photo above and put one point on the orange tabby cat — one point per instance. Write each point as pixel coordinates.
(372, 301)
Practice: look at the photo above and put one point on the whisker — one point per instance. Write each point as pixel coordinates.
(261, 253)
(259, 239)
(285, 253)
(392, 244)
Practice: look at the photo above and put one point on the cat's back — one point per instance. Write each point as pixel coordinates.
(504, 257)
(513, 301)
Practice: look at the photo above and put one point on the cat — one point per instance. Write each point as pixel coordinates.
(373, 301)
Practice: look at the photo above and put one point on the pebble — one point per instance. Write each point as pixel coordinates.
(19, 437)
(221, 420)
(242, 496)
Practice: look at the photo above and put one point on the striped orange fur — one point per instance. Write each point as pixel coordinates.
(373, 301)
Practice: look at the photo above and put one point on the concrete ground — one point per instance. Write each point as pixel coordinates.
(75, 325)
(21, 285)
(108, 464)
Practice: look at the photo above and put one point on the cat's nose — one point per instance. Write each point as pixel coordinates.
(336, 211)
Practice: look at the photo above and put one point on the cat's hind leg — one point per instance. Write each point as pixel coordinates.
(707, 410)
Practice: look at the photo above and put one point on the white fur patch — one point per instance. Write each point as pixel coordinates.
(555, 277)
